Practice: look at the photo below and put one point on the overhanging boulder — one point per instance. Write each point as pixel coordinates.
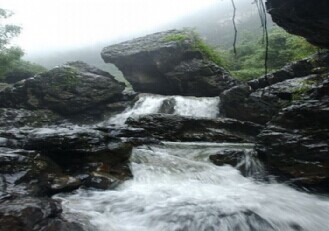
(306, 18)
(170, 63)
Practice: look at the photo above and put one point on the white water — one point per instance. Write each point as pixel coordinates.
(207, 107)
(176, 188)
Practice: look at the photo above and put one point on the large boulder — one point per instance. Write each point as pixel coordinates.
(306, 18)
(169, 63)
(67, 89)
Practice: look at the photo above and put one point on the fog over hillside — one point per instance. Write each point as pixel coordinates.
(212, 20)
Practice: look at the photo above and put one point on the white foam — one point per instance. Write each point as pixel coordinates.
(205, 107)
(177, 188)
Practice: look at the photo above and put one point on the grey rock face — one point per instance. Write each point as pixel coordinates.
(37, 214)
(259, 100)
(168, 63)
(179, 128)
(66, 89)
(296, 143)
(302, 17)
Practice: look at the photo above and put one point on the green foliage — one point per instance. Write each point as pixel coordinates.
(63, 78)
(197, 44)
(8, 57)
(12, 67)
(248, 74)
(211, 53)
(249, 61)
(298, 92)
(175, 37)
(7, 31)
(21, 69)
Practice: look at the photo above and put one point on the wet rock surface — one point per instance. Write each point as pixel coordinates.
(10, 117)
(259, 100)
(168, 63)
(39, 214)
(292, 103)
(36, 163)
(179, 128)
(67, 89)
(296, 143)
(245, 160)
(316, 64)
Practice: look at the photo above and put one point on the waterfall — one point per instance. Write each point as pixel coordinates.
(207, 107)
(175, 188)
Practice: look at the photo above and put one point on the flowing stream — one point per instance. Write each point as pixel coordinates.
(176, 188)
(207, 107)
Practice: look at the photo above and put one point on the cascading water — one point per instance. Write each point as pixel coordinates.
(186, 106)
(176, 188)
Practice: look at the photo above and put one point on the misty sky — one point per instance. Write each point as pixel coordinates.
(61, 24)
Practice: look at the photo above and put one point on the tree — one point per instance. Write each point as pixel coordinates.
(12, 67)
(7, 32)
(283, 48)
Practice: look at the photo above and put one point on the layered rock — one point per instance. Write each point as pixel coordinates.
(259, 100)
(39, 162)
(10, 117)
(75, 149)
(179, 128)
(168, 63)
(293, 104)
(66, 89)
(315, 64)
(295, 143)
(302, 17)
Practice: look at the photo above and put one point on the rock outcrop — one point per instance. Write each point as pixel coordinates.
(37, 163)
(302, 17)
(295, 143)
(293, 104)
(66, 89)
(169, 63)
(178, 128)
(259, 100)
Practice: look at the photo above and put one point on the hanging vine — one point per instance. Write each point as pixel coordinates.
(235, 29)
(263, 19)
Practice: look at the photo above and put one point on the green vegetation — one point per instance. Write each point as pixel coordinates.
(12, 67)
(206, 50)
(66, 78)
(298, 92)
(249, 62)
(175, 37)
(197, 44)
